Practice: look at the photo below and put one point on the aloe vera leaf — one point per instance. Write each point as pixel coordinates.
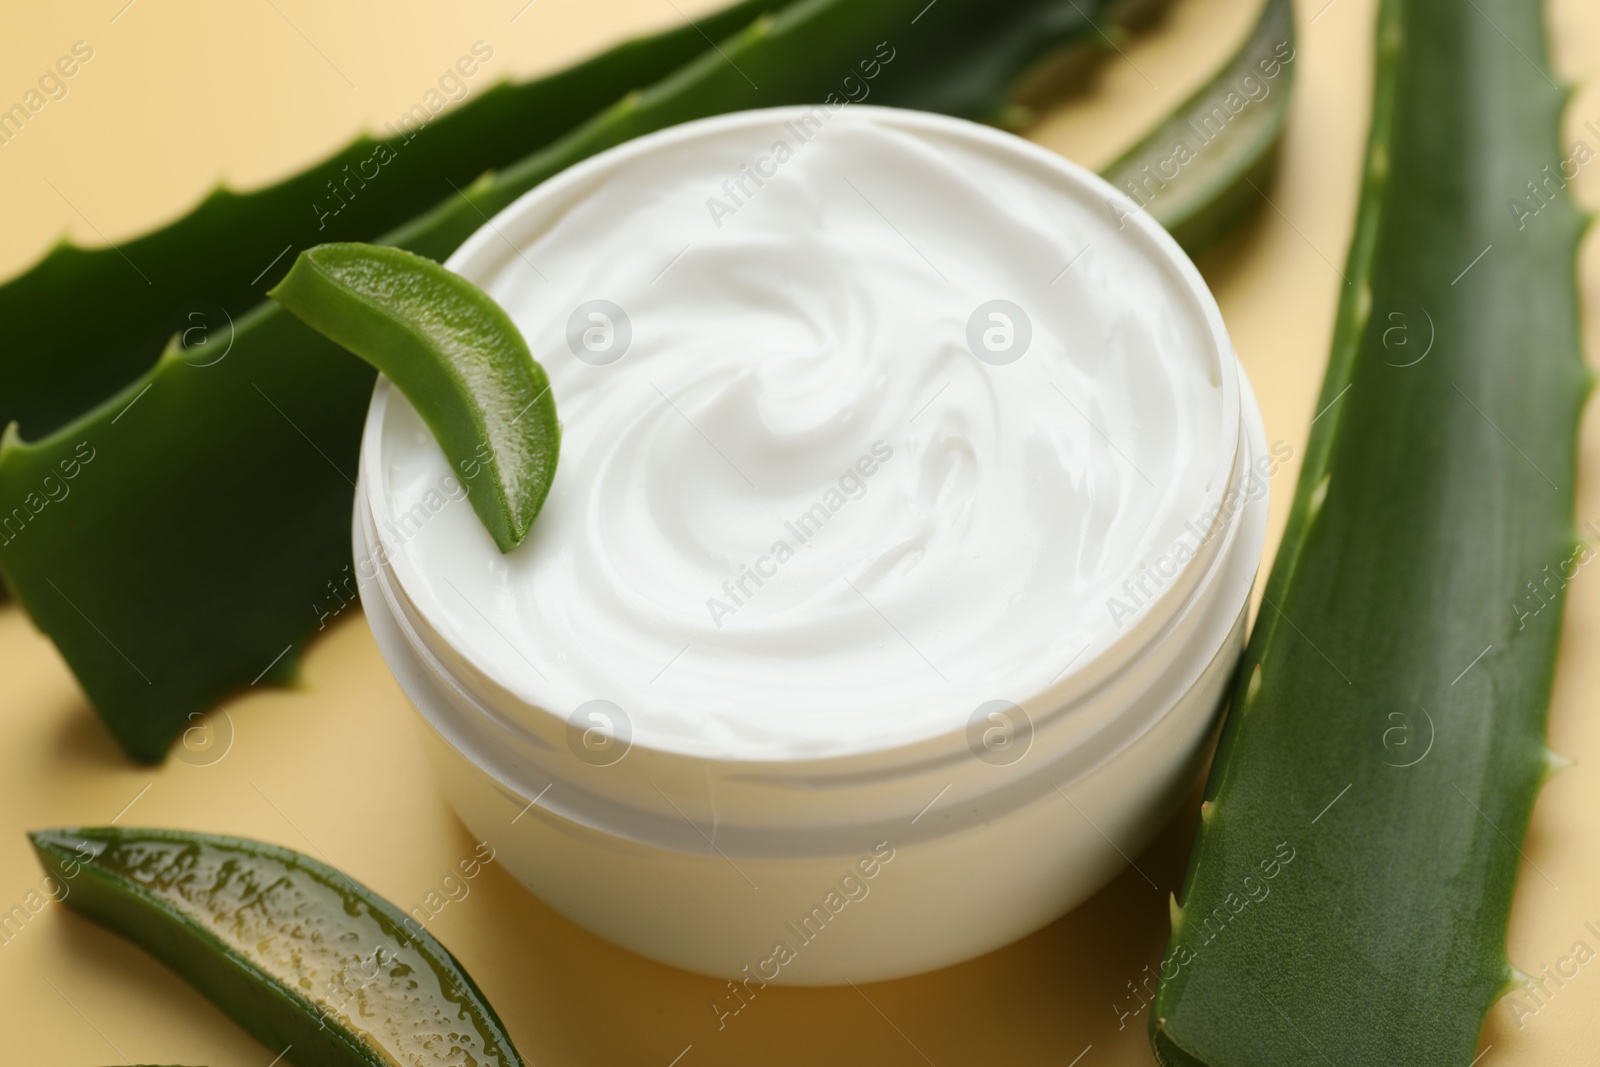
(217, 539)
(968, 61)
(212, 263)
(1387, 733)
(1221, 141)
(311, 963)
(455, 354)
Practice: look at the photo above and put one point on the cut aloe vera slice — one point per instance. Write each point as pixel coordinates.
(458, 358)
(196, 277)
(314, 965)
(1350, 887)
(208, 538)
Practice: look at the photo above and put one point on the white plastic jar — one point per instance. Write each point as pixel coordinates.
(909, 503)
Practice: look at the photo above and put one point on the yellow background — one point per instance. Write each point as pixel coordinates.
(182, 92)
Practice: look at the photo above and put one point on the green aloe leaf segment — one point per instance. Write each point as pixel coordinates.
(189, 277)
(1202, 167)
(1349, 891)
(455, 354)
(317, 967)
(186, 537)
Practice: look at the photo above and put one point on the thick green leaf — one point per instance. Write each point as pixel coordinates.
(219, 260)
(318, 968)
(206, 537)
(1349, 891)
(1201, 169)
(455, 354)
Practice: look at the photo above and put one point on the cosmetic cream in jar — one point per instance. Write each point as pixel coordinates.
(909, 502)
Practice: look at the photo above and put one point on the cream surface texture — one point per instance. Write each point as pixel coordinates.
(863, 427)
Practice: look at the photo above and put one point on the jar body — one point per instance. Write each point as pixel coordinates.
(872, 859)
(934, 902)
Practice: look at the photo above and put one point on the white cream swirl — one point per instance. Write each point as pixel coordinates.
(799, 517)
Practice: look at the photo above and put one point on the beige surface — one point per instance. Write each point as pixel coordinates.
(181, 92)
